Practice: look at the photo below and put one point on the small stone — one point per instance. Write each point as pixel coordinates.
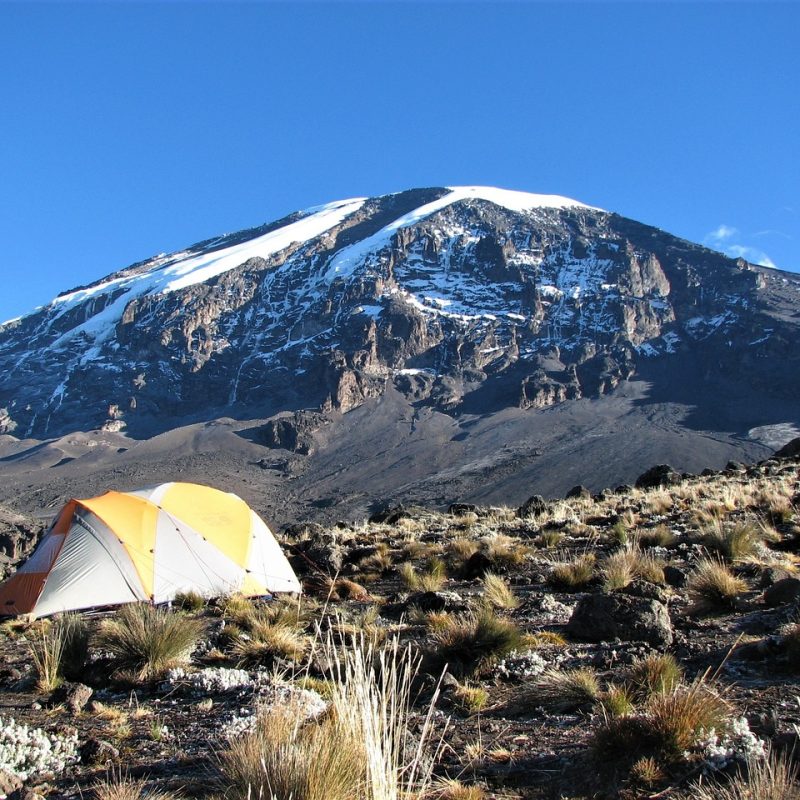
(98, 751)
(675, 576)
(8, 783)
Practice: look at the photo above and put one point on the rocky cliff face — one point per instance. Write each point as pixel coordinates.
(466, 299)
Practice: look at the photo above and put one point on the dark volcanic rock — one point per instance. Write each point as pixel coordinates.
(604, 617)
(18, 536)
(293, 433)
(661, 475)
(786, 590)
(532, 506)
(790, 450)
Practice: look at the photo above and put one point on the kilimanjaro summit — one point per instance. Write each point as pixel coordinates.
(434, 345)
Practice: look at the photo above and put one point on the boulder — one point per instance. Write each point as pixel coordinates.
(457, 509)
(790, 449)
(658, 476)
(435, 601)
(786, 590)
(579, 492)
(74, 696)
(603, 617)
(532, 506)
(98, 751)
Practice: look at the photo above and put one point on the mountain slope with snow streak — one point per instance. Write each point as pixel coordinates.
(464, 299)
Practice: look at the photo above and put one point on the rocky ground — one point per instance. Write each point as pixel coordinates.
(553, 618)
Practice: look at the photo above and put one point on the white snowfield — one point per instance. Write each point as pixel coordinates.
(181, 270)
(107, 299)
(349, 258)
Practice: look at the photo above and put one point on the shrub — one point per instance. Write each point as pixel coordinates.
(26, 751)
(470, 643)
(713, 587)
(573, 573)
(771, 778)
(147, 641)
(564, 690)
(497, 593)
(654, 674)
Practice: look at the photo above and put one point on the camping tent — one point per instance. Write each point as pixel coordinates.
(148, 545)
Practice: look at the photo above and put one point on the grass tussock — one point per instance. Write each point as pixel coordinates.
(470, 643)
(59, 650)
(712, 587)
(121, 787)
(505, 551)
(549, 539)
(189, 601)
(560, 691)
(267, 642)
(652, 675)
(733, 542)
(471, 699)
(453, 789)
(771, 778)
(617, 701)
(573, 573)
(146, 641)
(623, 566)
(659, 536)
(544, 639)
(431, 579)
(665, 727)
(286, 757)
(497, 593)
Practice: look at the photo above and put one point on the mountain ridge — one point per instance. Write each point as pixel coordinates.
(445, 307)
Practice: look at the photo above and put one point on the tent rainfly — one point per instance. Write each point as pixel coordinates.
(148, 545)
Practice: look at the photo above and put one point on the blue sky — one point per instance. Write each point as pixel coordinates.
(130, 129)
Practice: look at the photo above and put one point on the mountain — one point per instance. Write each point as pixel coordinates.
(466, 331)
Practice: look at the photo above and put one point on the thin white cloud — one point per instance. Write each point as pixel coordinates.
(722, 233)
(722, 239)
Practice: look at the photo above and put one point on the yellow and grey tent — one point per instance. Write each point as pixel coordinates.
(148, 545)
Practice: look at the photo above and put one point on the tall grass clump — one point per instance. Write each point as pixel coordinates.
(497, 593)
(572, 573)
(121, 787)
(59, 650)
(713, 587)
(656, 673)
(373, 697)
(733, 542)
(771, 778)
(565, 690)
(469, 643)
(145, 641)
(286, 756)
(666, 726)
